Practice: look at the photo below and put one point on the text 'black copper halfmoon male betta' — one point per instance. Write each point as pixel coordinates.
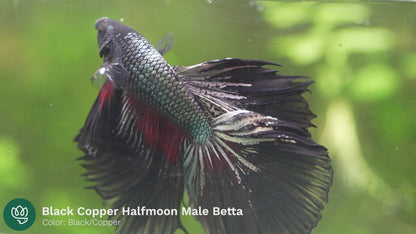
(231, 133)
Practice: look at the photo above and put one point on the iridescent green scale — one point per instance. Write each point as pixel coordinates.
(154, 82)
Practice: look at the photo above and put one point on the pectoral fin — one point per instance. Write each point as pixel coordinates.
(164, 45)
(115, 72)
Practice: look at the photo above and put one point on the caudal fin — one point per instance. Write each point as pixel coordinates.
(259, 160)
(268, 168)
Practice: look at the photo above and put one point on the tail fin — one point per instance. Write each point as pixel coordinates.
(265, 165)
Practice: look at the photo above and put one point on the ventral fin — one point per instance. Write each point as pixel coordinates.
(131, 155)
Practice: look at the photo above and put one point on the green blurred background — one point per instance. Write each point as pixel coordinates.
(362, 56)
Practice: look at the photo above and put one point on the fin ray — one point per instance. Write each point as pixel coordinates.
(279, 177)
(248, 84)
(128, 167)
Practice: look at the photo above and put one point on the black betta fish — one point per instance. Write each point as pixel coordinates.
(232, 133)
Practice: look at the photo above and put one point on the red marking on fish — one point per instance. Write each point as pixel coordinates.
(159, 132)
(105, 93)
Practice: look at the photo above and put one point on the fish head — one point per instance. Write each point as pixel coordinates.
(110, 32)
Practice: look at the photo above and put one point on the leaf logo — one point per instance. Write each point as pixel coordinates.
(20, 214)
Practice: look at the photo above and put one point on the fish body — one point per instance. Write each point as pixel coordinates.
(229, 132)
(155, 82)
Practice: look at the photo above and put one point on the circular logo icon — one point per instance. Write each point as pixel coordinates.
(19, 214)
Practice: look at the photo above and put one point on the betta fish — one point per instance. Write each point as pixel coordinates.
(232, 133)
